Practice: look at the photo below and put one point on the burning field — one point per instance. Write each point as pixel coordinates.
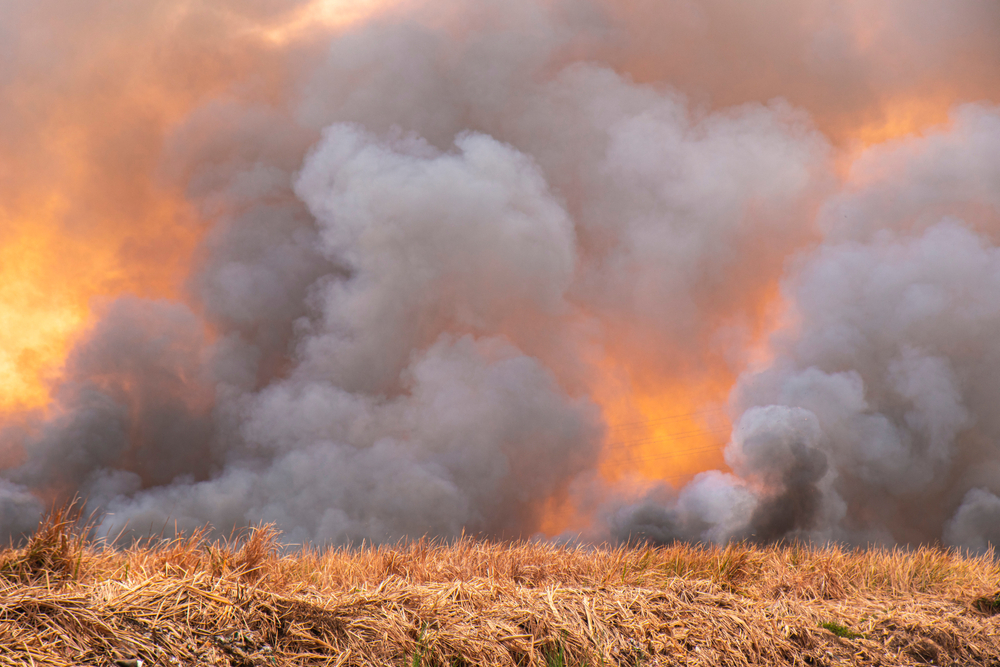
(504, 332)
(598, 271)
(188, 601)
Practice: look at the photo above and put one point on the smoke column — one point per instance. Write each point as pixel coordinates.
(632, 270)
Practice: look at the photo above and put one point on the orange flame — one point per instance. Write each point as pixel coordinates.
(663, 432)
(318, 15)
(56, 257)
(86, 217)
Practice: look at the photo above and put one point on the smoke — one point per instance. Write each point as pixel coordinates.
(893, 360)
(413, 246)
(875, 420)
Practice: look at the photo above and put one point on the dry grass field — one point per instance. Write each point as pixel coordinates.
(68, 601)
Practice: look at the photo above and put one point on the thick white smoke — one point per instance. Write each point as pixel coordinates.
(876, 420)
(415, 255)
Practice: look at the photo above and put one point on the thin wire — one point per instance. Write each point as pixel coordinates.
(646, 459)
(666, 419)
(624, 444)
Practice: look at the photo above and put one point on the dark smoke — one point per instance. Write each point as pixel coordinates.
(419, 236)
(793, 508)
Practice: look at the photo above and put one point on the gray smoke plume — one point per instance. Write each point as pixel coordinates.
(891, 363)
(422, 230)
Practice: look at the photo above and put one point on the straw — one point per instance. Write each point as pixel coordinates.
(65, 600)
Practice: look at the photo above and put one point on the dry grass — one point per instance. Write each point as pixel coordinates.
(67, 601)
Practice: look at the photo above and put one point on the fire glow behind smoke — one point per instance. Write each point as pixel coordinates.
(88, 99)
(640, 269)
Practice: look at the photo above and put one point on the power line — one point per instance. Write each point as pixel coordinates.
(666, 419)
(665, 438)
(675, 454)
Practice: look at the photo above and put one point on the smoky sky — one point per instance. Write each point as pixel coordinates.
(415, 233)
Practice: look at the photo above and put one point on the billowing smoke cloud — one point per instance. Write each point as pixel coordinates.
(894, 360)
(875, 422)
(422, 241)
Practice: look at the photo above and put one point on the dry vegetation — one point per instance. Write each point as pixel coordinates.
(66, 600)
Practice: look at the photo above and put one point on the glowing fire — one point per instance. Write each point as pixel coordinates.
(663, 432)
(894, 119)
(318, 15)
(87, 228)
(903, 117)
(49, 273)
(36, 320)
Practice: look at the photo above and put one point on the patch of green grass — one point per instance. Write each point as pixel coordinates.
(418, 657)
(840, 630)
(988, 604)
(556, 658)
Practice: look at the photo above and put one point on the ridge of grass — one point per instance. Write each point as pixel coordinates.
(249, 600)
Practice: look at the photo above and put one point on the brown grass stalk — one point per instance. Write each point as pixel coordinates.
(65, 600)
